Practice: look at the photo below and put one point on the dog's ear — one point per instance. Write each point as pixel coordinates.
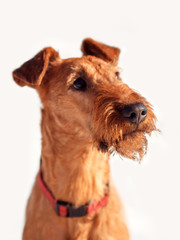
(32, 72)
(100, 50)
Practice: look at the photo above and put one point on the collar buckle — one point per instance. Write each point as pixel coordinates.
(77, 212)
(66, 209)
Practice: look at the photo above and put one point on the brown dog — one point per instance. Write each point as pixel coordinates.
(88, 112)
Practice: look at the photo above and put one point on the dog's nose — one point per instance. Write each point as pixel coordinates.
(135, 113)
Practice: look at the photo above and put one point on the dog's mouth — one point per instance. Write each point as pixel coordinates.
(130, 134)
(124, 138)
(105, 146)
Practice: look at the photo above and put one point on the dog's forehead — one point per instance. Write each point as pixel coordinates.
(89, 64)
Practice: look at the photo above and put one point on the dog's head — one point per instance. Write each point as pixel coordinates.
(88, 97)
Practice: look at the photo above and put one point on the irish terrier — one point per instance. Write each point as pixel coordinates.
(88, 112)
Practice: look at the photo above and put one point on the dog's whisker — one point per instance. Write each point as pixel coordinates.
(121, 134)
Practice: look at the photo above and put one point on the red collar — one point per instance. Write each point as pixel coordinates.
(66, 209)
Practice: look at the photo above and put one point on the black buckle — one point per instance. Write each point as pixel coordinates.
(71, 211)
(77, 212)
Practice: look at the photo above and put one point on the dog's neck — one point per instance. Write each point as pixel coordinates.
(72, 167)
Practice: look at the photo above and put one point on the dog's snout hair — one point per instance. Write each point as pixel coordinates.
(113, 129)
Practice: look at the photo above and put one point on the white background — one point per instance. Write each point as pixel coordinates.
(148, 34)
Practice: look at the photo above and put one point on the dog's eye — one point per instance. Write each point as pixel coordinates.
(117, 75)
(79, 84)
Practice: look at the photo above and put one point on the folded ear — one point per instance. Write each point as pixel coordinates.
(32, 72)
(100, 50)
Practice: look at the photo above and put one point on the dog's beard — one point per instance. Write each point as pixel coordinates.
(113, 133)
(132, 146)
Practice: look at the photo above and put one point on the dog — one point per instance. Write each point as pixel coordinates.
(88, 113)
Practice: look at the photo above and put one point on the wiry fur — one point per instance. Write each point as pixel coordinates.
(110, 127)
(79, 131)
